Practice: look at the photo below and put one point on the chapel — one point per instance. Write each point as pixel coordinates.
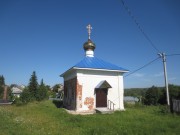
(93, 83)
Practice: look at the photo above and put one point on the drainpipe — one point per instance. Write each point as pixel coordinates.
(119, 92)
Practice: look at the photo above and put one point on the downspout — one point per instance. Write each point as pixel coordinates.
(118, 92)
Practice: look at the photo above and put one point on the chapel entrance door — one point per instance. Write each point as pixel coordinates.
(101, 97)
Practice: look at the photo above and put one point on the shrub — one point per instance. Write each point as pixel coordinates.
(26, 96)
(18, 102)
(152, 96)
(163, 109)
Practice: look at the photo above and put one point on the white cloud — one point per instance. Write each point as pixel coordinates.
(138, 75)
(159, 74)
(172, 78)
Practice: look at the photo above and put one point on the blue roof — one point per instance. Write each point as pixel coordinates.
(96, 63)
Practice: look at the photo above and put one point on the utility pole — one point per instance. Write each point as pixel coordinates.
(163, 56)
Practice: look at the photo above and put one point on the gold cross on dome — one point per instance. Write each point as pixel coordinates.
(89, 28)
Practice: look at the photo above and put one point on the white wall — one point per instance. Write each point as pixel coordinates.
(89, 79)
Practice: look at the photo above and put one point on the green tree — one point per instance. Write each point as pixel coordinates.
(162, 99)
(42, 91)
(135, 92)
(25, 96)
(1, 92)
(174, 91)
(56, 88)
(33, 85)
(2, 83)
(152, 96)
(2, 80)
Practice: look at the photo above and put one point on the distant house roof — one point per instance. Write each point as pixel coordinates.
(130, 99)
(98, 64)
(16, 90)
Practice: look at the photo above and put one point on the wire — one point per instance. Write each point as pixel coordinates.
(142, 67)
(138, 25)
(172, 54)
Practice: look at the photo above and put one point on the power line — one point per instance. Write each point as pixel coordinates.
(139, 26)
(172, 54)
(142, 66)
(162, 55)
(149, 64)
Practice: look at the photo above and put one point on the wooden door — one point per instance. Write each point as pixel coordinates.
(101, 97)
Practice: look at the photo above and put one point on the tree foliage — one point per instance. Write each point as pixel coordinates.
(174, 91)
(2, 83)
(135, 92)
(41, 92)
(56, 88)
(26, 96)
(34, 91)
(155, 95)
(33, 85)
(1, 92)
(152, 96)
(2, 80)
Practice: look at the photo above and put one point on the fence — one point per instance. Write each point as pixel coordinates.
(176, 105)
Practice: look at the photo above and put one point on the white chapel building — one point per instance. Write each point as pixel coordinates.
(93, 83)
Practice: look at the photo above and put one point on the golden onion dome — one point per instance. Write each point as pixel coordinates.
(89, 45)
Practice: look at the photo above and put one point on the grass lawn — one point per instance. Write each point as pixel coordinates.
(43, 118)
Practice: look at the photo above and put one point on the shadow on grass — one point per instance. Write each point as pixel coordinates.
(58, 104)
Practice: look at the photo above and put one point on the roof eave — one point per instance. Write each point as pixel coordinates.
(62, 75)
(124, 71)
(121, 71)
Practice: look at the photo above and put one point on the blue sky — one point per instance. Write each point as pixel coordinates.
(47, 36)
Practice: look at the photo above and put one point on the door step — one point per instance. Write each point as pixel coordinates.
(103, 110)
